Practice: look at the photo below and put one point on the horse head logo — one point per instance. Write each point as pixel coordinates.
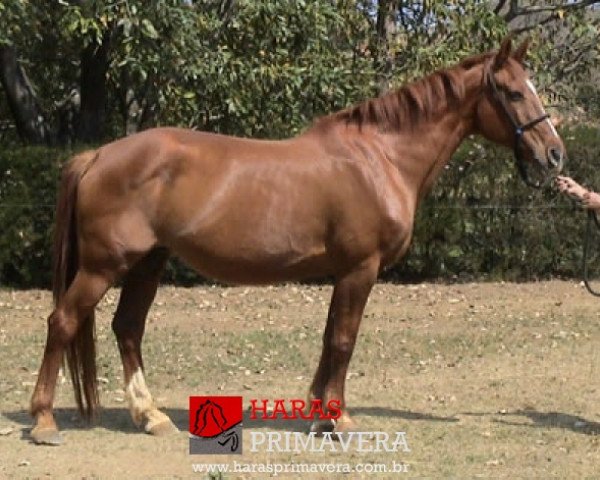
(210, 421)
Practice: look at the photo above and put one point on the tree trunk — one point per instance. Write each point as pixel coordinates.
(384, 27)
(26, 111)
(93, 91)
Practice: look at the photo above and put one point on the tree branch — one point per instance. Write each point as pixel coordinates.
(499, 7)
(516, 11)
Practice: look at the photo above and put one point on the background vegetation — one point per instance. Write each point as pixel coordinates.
(84, 72)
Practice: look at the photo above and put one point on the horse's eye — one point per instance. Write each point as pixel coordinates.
(515, 95)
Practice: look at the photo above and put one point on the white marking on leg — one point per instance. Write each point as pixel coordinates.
(141, 404)
(138, 396)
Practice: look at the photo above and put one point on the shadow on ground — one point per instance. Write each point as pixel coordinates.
(118, 419)
(404, 414)
(539, 419)
(555, 420)
(113, 419)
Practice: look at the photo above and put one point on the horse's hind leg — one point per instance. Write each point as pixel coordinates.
(139, 288)
(72, 310)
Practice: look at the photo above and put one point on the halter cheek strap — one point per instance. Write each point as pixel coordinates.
(520, 129)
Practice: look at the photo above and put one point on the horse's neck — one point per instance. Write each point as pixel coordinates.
(421, 153)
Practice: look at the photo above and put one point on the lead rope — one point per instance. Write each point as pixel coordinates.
(586, 247)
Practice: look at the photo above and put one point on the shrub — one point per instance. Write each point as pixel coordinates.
(28, 187)
(480, 221)
(28, 181)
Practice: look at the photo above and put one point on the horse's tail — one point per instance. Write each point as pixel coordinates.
(81, 353)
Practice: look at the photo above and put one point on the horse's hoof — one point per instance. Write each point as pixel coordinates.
(346, 424)
(46, 436)
(163, 429)
(319, 427)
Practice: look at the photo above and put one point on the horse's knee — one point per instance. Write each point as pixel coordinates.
(343, 344)
(61, 327)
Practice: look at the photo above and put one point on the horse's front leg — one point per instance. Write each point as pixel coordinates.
(348, 301)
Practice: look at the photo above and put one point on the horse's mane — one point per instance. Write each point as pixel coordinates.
(416, 101)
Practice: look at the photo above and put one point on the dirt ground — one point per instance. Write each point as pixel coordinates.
(487, 380)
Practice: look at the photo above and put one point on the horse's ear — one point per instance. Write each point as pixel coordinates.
(503, 53)
(521, 52)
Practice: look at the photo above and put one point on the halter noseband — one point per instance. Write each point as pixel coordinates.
(519, 129)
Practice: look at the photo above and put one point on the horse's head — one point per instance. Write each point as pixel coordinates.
(510, 113)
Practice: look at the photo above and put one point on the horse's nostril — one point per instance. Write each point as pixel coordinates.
(555, 156)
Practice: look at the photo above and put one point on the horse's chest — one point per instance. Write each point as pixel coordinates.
(395, 237)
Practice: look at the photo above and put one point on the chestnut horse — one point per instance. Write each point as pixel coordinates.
(337, 200)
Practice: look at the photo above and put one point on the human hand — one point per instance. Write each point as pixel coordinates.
(570, 187)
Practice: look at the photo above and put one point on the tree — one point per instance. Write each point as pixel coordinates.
(107, 43)
(22, 100)
(566, 34)
(91, 70)
(21, 97)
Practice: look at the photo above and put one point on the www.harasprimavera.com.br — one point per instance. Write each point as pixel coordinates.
(277, 468)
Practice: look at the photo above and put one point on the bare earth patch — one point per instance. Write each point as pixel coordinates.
(487, 380)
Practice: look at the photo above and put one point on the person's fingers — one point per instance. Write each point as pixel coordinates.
(565, 185)
(562, 186)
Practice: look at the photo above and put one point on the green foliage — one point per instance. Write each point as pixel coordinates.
(480, 222)
(266, 68)
(28, 181)
(12, 12)
(589, 96)
(262, 67)
(271, 82)
(561, 70)
(28, 187)
(443, 33)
